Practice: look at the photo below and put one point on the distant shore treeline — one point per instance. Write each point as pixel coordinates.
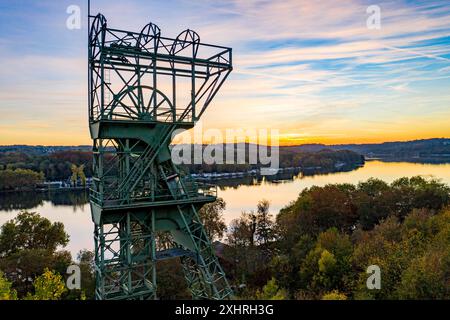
(53, 163)
(24, 170)
(323, 159)
(54, 166)
(424, 148)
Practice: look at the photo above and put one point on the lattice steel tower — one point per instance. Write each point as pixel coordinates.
(142, 87)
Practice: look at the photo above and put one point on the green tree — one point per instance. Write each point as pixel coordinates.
(334, 295)
(264, 223)
(242, 230)
(48, 286)
(74, 177)
(251, 262)
(427, 277)
(375, 201)
(86, 263)
(241, 250)
(318, 209)
(171, 282)
(211, 215)
(271, 291)
(24, 266)
(428, 273)
(81, 174)
(77, 173)
(327, 268)
(28, 245)
(28, 230)
(419, 192)
(19, 179)
(6, 292)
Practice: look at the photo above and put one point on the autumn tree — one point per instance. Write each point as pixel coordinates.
(242, 230)
(48, 286)
(81, 174)
(6, 291)
(334, 295)
(264, 223)
(248, 237)
(20, 179)
(271, 291)
(211, 214)
(28, 231)
(85, 259)
(28, 245)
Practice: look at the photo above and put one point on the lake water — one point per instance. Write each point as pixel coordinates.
(72, 208)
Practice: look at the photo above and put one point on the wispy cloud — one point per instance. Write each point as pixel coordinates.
(311, 68)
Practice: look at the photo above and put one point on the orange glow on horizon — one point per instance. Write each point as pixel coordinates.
(284, 140)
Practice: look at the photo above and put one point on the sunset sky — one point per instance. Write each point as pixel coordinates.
(311, 69)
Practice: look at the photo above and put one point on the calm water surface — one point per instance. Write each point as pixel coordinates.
(73, 210)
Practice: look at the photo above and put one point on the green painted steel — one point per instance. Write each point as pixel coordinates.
(142, 88)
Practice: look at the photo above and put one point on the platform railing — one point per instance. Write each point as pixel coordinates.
(193, 190)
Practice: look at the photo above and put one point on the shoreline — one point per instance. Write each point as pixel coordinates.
(224, 176)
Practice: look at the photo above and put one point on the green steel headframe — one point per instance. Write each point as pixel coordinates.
(142, 88)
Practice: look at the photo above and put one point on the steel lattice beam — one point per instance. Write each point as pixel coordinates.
(135, 106)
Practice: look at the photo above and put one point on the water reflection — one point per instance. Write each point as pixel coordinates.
(13, 201)
(285, 176)
(16, 201)
(241, 194)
